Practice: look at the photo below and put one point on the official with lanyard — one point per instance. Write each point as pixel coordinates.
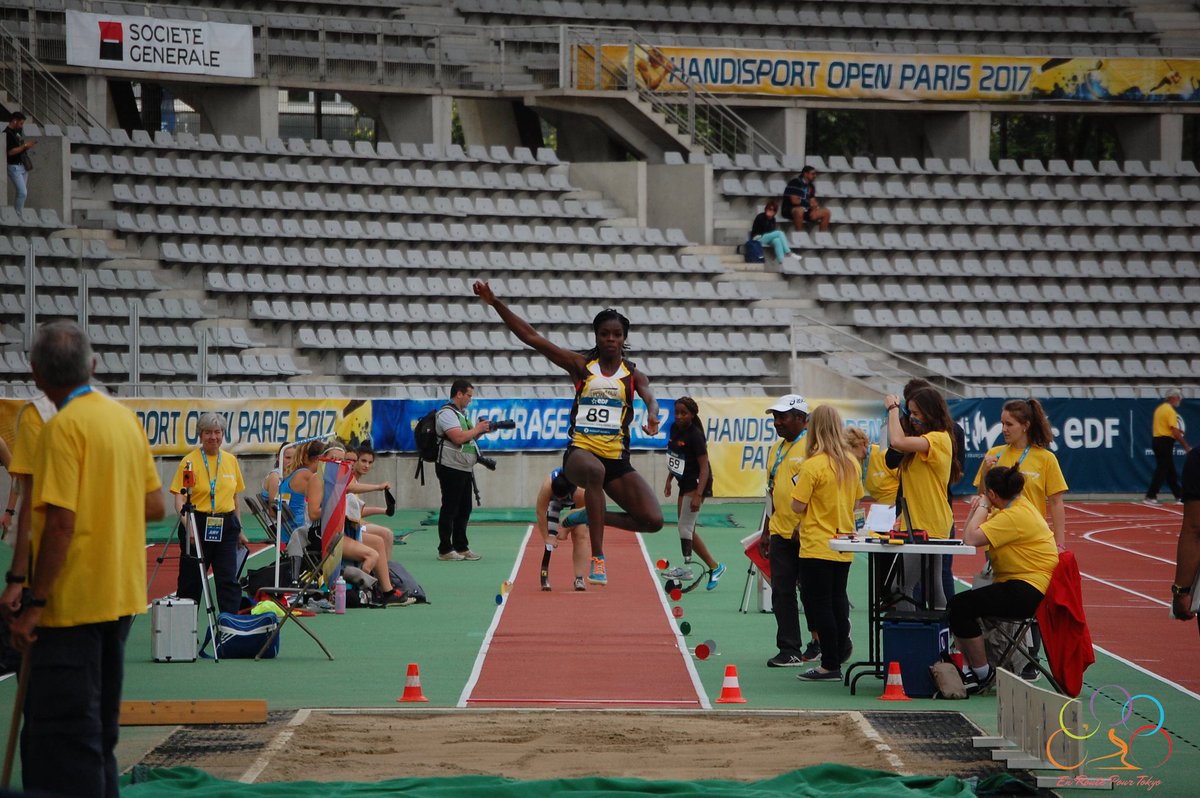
(779, 530)
(217, 481)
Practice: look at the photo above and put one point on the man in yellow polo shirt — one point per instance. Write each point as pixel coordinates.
(1165, 432)
(95, 482)
(217, 481)
(30, 420)
(783, 464)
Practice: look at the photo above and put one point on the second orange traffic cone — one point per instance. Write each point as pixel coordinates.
(412, 685)
(894, 689)
(731, 691)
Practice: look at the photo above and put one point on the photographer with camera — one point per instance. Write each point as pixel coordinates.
(457, 455)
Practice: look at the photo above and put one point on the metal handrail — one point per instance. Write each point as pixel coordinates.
(701, 115)
(37, 92)
(904, 366)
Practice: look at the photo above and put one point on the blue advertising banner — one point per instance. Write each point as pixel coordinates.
(541, 424)
(1102, 445)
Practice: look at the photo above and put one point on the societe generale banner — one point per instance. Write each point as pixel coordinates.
(148, 44)
(891, 77)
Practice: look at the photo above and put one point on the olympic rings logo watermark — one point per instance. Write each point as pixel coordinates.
(1115, 744)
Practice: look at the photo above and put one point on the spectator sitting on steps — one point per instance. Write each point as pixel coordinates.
(765, 231)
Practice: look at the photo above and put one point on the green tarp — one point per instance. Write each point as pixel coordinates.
(815, 782)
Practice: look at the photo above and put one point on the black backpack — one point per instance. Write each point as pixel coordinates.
(429, 443)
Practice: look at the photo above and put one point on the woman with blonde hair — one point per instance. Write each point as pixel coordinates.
(828, 486)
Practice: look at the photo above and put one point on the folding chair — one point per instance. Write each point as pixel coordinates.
(323, 570)
(1013, 635)
(263, 517)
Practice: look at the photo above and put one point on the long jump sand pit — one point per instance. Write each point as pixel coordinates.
(336, 745)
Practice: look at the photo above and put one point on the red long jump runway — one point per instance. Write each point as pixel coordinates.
(611, 646)
(1126, 555)
(164, 582)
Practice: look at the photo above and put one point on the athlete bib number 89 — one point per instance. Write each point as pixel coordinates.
(597, 418)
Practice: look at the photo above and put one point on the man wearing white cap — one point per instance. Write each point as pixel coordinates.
(779, 532)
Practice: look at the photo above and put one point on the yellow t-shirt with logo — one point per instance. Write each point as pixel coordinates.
(226, 472)
(882, 481)
(783, 520)
(1043, 476)
(830, 506)
(1165, 417)
(95, 461)
(925, 478)
(29, 432)
(1021, 544)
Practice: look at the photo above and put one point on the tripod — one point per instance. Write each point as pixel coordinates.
(187, 517)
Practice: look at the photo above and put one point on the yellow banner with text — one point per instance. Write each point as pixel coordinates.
(889, 77)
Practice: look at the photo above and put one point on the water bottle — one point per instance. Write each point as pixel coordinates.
(339, 596)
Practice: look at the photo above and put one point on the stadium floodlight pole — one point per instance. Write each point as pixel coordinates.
(279, 501)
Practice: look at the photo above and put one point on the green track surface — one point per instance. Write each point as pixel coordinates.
(373, 647)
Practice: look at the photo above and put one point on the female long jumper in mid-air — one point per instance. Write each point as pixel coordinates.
(597, 456)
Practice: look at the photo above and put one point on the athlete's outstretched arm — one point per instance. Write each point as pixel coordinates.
(641, 384)
(571, 362)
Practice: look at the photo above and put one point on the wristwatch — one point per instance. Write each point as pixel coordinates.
(1176, 590)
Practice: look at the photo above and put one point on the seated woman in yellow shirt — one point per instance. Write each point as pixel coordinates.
(1023, 554)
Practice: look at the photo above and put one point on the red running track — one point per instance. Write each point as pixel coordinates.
(611, 646)
(163, 583)
(1126, 554)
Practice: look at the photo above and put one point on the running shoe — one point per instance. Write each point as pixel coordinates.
(1150, 502)
(450, 556)
(469, 555)
(579, 584)
(812, 651)
(1030, 673)
(677, 573)
(598, 575)
(715, 575)
(974, 685)
(546, 581)
(575, 518)
(396, 599)
(784, 661)
(817, 675)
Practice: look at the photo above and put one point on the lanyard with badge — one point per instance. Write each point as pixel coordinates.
(213, 524)
(780, 456)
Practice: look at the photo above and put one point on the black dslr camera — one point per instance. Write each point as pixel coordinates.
(507, 423)
(487, 462)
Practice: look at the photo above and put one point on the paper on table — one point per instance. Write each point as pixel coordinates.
(881, 518)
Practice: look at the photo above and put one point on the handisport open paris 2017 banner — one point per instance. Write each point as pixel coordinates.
(891, 77)
(1102, 445)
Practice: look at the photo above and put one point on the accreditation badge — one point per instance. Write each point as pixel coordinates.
(214, 525)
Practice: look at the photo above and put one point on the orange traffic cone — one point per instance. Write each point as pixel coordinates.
(412, 685)
(731, 691)
(894, 689)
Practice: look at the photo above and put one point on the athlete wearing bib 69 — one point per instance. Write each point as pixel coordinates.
(597, 459)
(687, 464)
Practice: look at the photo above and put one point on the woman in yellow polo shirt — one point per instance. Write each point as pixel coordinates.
(1027, 439)
(928, 466)
(828, 485)
(1021, 548)
(214, 496)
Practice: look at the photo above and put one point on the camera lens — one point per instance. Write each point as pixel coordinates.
(507, 423)
(487, 462)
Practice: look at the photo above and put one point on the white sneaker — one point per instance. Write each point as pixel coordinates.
(794, 256)
(450, 556)
(677, 573)
(1150, 502)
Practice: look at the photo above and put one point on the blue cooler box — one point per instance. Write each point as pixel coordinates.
(915, 645)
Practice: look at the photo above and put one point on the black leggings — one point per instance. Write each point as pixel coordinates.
(1012, 600)
(823, 591)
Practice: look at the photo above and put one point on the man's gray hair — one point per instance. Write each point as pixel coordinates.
(63, 354)
(1174, 393)
(210, 421)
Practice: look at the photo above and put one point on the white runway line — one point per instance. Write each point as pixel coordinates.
(487, 638)
(1089, 537)
(679, 641)
(1147, 671)
(275, 746)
